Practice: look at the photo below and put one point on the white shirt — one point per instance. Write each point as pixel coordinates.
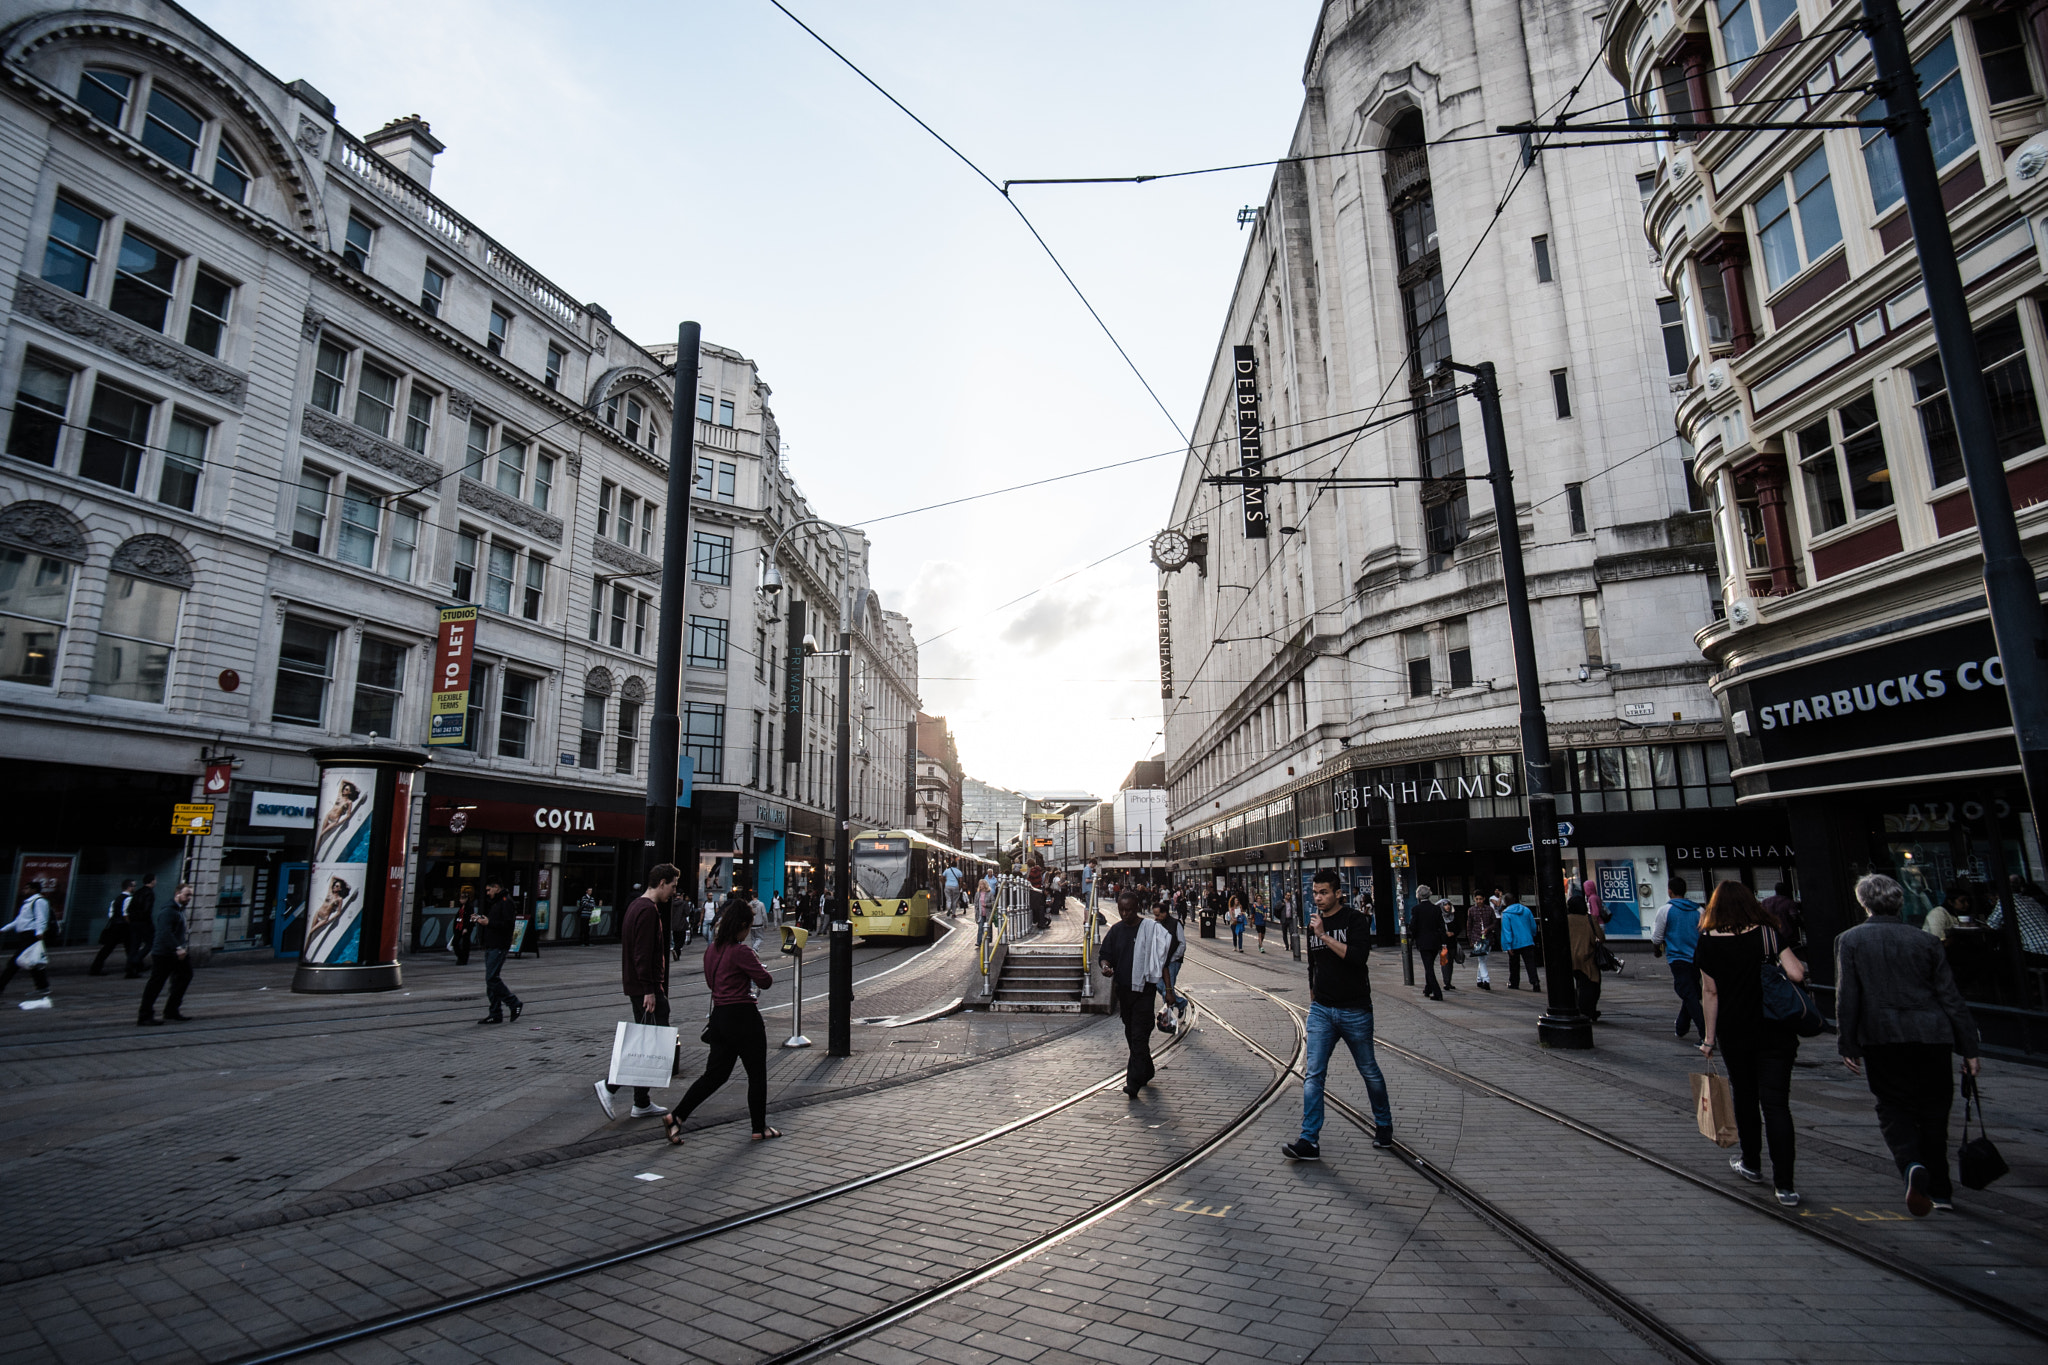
(1148, 955)
(33, 918)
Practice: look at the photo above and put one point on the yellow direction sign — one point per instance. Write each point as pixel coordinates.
(1397, 855)
(192, 817)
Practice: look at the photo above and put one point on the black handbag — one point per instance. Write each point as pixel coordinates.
(1977, 1160)
(1785, 1002)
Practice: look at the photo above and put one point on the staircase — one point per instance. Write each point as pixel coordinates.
(1040, 980)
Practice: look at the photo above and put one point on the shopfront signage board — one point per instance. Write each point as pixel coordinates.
(1251, 452)
(191, 818)
(280, 810)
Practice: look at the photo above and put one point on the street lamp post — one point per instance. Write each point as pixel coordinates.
(839, 975)
(1562, 1026)
(665, 737)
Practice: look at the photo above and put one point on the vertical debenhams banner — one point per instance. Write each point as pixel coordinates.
(1251, 450)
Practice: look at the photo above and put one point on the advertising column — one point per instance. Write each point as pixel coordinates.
(356, 899)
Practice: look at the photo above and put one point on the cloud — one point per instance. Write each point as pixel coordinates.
(1053, 620)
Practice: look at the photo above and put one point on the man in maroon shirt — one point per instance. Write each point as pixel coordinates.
(643, 954)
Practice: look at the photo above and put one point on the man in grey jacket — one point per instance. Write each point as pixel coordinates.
(1900, 1017)
(169, 960)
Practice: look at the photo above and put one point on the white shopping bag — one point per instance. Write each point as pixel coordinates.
(35, 955)
(643, 1055)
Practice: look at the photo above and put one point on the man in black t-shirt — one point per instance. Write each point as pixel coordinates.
(1340, 1006)
(496, 922)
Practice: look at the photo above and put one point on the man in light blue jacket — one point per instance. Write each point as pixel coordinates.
(1518, 941)
(1676, 933)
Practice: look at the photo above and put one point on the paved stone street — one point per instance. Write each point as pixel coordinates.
(287, 1167)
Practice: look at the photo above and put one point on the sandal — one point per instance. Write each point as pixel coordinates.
(771, 1133)
(672, 1126)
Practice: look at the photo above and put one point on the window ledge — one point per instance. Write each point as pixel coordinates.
(1850, 528)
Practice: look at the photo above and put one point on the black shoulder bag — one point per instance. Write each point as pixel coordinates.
(1977, 1160)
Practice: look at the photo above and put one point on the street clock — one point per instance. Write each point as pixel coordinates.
(1171, 549)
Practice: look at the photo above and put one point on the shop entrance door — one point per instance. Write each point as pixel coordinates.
(288, 915)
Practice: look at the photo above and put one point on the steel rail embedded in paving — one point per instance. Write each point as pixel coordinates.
(1653, 1328)
(840, 1338)
(525, 1284)
(2011, 1316)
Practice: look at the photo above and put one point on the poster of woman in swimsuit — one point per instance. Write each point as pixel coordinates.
(341, 856)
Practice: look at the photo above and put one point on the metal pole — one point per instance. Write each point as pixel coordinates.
(796, 1009)
(839, 1001)
(666, 737)
(1400, 876)
(2016, 616)
(1563, 1026)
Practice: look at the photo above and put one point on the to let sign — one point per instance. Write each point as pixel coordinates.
(448, 716)
(1251, 450)
(192, 817)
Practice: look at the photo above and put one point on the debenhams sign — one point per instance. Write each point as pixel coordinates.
(1945, 683)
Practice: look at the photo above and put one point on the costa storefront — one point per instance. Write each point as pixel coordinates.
(548, 845)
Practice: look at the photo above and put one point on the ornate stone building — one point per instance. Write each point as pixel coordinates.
(1849, 638)
(1346, 678)
(273, 404)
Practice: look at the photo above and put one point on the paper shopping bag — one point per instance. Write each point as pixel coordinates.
(643, 1055)
(1713, 1104)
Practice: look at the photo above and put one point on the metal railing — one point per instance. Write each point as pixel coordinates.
(1009, 920)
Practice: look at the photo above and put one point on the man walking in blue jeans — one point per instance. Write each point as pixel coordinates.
(1340, 995)
(1676, 933)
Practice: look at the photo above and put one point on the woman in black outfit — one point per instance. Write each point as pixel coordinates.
(1737, 937)
(735, 1031)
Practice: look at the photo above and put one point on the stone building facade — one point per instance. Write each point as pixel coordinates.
(1850, 645)
(1346, 679)
(272, 405)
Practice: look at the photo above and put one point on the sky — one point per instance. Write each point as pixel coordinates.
(712, 161)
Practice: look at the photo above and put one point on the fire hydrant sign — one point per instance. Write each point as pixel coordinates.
(448, 717)
(195, 817)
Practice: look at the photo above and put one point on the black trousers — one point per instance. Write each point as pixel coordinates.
(1587, 991)
(168, 966)
(1760, 1076)
(641, 1099)
(1428, 956)
(1446, 963)
(15, 942)
(115, 935)
(737, 1035)
(1915, 1089)
(1685, 979)
(495, 989)
(1516, 958)
(1137, 1011)
(140, 936)
(461, 945)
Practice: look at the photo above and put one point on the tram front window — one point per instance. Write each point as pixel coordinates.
(881, 868)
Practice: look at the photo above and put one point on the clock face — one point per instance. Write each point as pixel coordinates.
(1170, 549)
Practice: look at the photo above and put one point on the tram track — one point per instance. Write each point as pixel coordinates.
(2012, 1316)
(455, 1304)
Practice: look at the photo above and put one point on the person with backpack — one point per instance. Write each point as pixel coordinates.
(1518, 941)
(1738, 941)
(1900, 1020)
(1674, 933)
(23, 944)
(115, 935)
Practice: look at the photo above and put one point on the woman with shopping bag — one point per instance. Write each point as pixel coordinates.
(736, 1033)
(1738, 942)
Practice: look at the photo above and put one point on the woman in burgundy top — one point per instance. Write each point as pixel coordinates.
(736, 1031)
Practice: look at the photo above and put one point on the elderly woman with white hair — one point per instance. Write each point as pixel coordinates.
(1900, 1018)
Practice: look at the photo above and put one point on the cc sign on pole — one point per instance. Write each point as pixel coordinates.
(1397, 855)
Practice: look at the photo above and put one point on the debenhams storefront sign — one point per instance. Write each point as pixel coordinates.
(1928, 707)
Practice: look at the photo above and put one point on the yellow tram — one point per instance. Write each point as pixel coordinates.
(899, 881)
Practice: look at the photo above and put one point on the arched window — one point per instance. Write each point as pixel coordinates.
(174, 126)
(41, 547)
(139, 619)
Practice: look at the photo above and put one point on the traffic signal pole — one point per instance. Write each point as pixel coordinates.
(665, 738)
(1562, 1025)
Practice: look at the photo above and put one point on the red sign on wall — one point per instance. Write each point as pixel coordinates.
(516, 817)
(448, 716)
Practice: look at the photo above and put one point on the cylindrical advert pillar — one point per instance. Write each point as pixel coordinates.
(356, 895)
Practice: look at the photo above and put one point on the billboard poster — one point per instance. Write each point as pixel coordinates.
(448, 716)
(1616, 878)
(341, 859)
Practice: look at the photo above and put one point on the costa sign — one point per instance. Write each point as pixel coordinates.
(517, 817)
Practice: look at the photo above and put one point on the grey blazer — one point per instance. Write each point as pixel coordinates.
(1893, 985)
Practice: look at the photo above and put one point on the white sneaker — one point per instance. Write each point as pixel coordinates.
(41, 1002)
(646, 1111)
(604, 1097)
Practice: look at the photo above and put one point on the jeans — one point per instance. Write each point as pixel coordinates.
(1171, 971)
(1685, 979)
(1237, 936)
(737, 1035)
(641, 1099)
(1915, 1090)
(1137, 1011)
(1517, 959)
(1760, 1075)
(178, 971)
(495, 989)
(1325, 1027)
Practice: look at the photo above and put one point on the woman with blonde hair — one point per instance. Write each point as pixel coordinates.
(1738, 939)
